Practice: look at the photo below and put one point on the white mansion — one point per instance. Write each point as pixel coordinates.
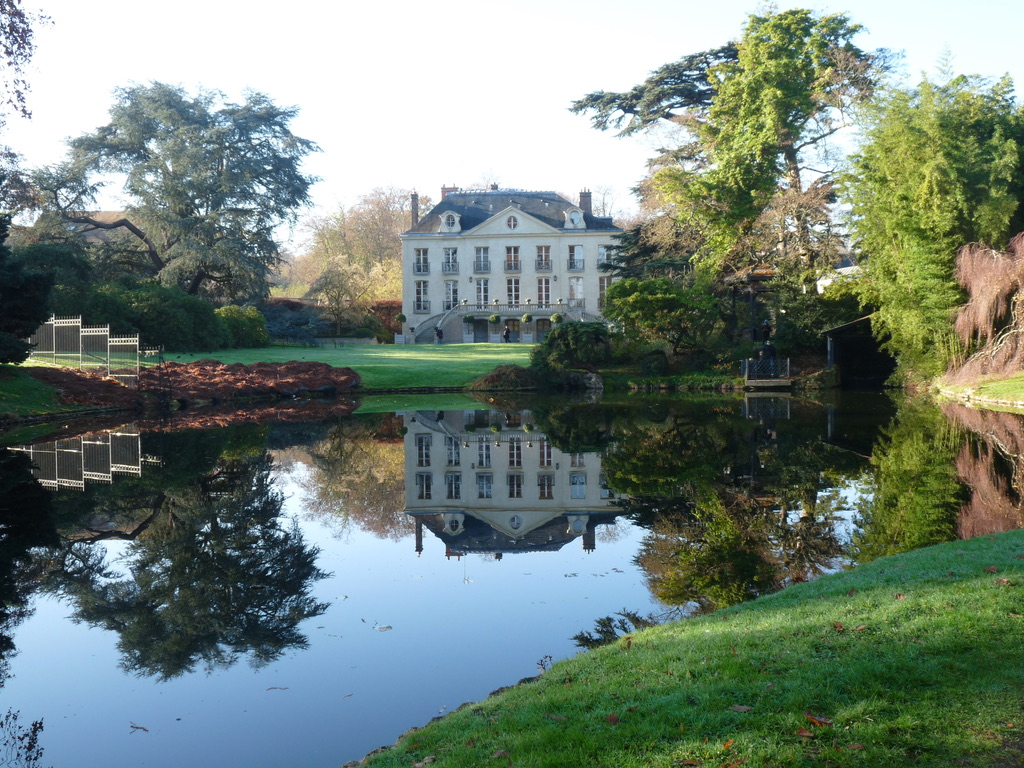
(502, 252)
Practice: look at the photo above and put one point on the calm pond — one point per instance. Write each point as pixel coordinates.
(298, 594)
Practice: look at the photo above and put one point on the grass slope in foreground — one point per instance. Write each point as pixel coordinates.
(389, 366)
(912, 660)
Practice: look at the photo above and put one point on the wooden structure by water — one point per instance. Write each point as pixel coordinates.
(760, 373)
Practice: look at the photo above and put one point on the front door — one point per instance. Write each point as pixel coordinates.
(543, 328)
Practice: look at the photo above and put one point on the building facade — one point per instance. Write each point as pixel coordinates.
(520, 257)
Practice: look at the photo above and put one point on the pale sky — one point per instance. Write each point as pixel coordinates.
(417, 95)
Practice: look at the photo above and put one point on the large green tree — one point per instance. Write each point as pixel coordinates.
(24, 301)
(207, 183)
(753, 175)
(939, 167)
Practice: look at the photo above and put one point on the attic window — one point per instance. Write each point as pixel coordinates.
(574, 217)
(449, 220)
(511, 222)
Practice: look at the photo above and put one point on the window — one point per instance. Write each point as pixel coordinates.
(423, 450)
(450, 220)
(482, 260)
(512, 263)
(604, 255)
(546, 483)
(483, 292)
(544, 452)
(576, 292)
(511, 222)
(543, 258)
(575, 218)
(483, 452)
(515, 452)
(512, 290)
(602, 288)
(422, 303)
(515, 485)
(451, 294)
(421, 263)
(543, 292)
(605, 491)
(453, 485)
(423, 482)
(575, 257)
(577, 485)
(450, 261)
(577, 460)
(451, 451)
(484, 484)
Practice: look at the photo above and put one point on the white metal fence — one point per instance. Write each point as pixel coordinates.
(95, 457)
(65, 342)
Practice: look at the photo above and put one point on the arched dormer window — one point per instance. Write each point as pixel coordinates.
(450, 222)
(574, 219)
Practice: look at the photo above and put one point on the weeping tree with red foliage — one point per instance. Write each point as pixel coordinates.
(991, 323)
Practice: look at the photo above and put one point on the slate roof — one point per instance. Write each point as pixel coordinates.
(475, 206)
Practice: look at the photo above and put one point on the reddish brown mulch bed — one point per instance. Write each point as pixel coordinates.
(213, 381)
(79, 388)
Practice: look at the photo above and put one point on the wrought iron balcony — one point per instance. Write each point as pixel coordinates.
(482, 266)
(543, 265)
(421, 268)
(574, 265)
(450, 267)
(513, 265)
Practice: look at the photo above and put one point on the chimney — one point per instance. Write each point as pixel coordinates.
(414, 204)
(445, 191)
(494, 187)
(587, 202)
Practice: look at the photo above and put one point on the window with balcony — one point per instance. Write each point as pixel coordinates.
(543, 258)
(575, 257)
(421, 262)
(515, 452)
(482, 259)
(604, 254)
(512, 263)
(450, 261)
(544, 453)
(421, 303)
(576, 299)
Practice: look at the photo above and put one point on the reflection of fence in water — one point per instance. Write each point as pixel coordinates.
(764, 408)
(95, 457)
(65, 342)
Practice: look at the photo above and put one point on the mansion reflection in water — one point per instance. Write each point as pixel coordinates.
(486, 482)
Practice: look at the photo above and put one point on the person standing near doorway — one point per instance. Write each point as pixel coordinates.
(506, 334)
(439, 335)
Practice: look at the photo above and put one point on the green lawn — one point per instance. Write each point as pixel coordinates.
(1008, 392)
(390, 366)
(913, 660)
(21, 395)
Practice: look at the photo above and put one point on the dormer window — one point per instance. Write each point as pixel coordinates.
(574, 219)
(511, 222)
(450, 222)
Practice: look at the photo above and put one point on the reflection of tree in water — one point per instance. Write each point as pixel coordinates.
(734, 507)
(212, 575)
(915, 494)
(357, 474)
(991, 463)
(26, 521)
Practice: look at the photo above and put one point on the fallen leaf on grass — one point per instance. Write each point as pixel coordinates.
(689, 762)
(613, 719)
(855, 746)
(803, 733)
(1002, 581)
(860, 628)
(852, 592)
(728, 744)
(501, 753)
(838, 626)
(900, 596)
(425, 761)
(992, 569)
(815, 720)
(739, 708)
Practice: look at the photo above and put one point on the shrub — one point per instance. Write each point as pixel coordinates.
(557, 317)
(400, 318)
(363, 333)
(468, 319)
(527, 318)
(494, 319)
(247, 326)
